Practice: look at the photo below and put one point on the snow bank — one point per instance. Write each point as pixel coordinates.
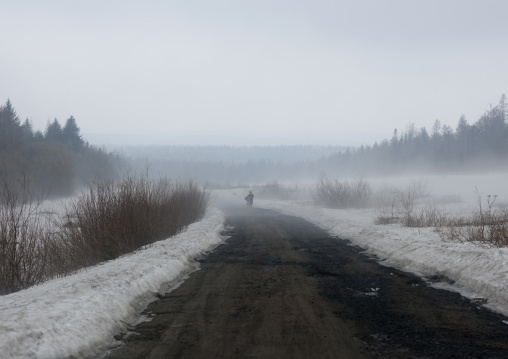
(478, 271)
(76, 315)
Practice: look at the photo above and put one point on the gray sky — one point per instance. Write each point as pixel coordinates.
(252, 72)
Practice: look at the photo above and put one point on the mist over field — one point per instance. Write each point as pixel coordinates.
(130, 131)
(358, 105)
(478, 152)
(252, 91)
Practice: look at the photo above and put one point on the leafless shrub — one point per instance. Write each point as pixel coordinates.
(275, 190)
(408, 200)
(428, 215)
(342, 194)
(487, 224)
(403, 206)
(114, 218)
(110, 219)
(26, 256)
(388, 207)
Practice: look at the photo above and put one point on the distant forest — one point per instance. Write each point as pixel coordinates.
(228, 164)
(231, 165)
(482, 145)
(58, 160)
(55, 162)
(229, 154)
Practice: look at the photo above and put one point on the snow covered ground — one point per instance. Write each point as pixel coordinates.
(74, 316)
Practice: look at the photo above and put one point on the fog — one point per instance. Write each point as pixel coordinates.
(297, 168)
(252, 92)
(252, 72)
(460, 187)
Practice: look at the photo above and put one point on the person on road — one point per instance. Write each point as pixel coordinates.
(250, 199)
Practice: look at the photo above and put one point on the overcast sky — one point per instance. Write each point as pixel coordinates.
(265, 72)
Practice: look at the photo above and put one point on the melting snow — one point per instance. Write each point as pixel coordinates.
(76, 315)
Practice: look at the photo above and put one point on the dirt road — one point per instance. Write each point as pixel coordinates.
(282, 288)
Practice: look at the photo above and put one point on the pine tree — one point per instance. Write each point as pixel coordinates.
(503, 106)
(71, 134)
(462, 138)
(27, 132)
(436, 130)
(54, 131)
(491, 131)
(10, 134)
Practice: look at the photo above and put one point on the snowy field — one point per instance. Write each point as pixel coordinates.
(76, 315)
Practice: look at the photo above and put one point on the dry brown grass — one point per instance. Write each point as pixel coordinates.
(112, 218)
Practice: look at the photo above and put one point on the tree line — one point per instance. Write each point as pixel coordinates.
(481, 145)
(232, 154)
(55, 161)
(58, 159)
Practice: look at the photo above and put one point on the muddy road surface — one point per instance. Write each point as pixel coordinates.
(283, 288)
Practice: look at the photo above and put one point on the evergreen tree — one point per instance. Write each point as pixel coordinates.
(462, 138)
(38, 136)
(55, 161)
(436, 130)
(503, 106)
(71, 134)
(491, 132)
(394, 146)
(27, 131)
(423, 142)
(10, 134)
(54, 131)
(437, 142)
